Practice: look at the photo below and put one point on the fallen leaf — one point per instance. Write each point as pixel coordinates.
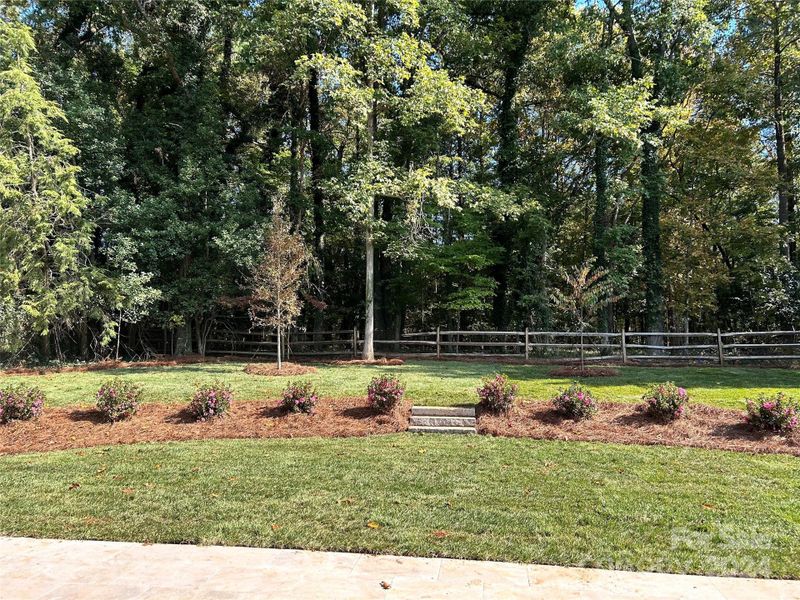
(373, 525)
(346, 500)
(385, 585)
(275, 527)
(74, 486)
(440, 533)
(709, 507)
(128, 491)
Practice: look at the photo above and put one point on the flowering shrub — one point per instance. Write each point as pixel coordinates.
(385, 392)
(778, 413)
(497, 394)
(18, 403)
(666, 401)
(299, 397)
(575, 402)
(118, 399)
(211, 400)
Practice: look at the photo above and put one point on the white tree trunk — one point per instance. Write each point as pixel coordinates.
(280, 341)
(369, 317)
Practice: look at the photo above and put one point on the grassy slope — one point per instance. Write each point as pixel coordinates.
(432, 382)
(649, 508)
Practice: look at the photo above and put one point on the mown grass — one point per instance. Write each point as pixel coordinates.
(428, 382)
(589, 504)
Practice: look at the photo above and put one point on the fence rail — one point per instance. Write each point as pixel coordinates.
(625, 346)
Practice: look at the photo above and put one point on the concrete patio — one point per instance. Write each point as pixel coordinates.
(54, 569)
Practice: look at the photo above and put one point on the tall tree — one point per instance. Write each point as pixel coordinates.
(45, 236)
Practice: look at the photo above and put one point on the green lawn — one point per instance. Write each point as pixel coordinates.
(428, 381)
(603, 505)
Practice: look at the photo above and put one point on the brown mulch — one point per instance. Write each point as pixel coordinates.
(587, 372)
(702, 427)
(287, 369)
(386, 362)
(81, 427)
(104, 365)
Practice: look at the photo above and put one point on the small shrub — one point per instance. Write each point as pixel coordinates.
(299, 397)
(777, 412)
(575, 402)
(385, 393)
(19, 403)
(666, 401)
(497, 394)
(211, 400)
(118, 399)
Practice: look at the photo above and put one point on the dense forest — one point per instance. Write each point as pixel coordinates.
(446, 162)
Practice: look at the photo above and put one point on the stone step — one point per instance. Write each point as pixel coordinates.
(443, 411)
(442, 421)
(422, 429)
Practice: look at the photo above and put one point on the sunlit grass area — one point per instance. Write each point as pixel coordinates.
(428, 381)
(603, 505)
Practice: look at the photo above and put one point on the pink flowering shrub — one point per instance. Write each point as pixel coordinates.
(496, 394)
(385, 393)
(575, 402)
(19, 403)
(118, 399)
(212, 400)
(299, 397)
(777, 412)
(666, 401)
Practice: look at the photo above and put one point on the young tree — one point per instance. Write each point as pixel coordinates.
(275, 301)
(586, 291)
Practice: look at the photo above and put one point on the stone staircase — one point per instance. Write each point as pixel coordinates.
(442, 419)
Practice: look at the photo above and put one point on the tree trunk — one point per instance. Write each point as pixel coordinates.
(317, 146)
(786, 200)
(606, 320)
(368, 352)
(119, 335)
(83, 338)
(183, 338)
(652, 188)
(280, 341)
(651, 235)
(44, 346)
(201, 333)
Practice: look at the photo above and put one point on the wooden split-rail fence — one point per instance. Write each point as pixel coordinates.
(559, 346)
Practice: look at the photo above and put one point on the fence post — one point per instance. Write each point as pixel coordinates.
(720, 349)
(438, 342)
(526, 344)
(624, 348)
(355, 342)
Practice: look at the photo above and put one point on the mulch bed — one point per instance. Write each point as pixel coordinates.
(386, 362)
(105, 365)
(587, 372)
(81, 427)
(703, 427)
(287, 369)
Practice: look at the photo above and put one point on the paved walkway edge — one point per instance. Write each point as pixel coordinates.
(57, 569)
